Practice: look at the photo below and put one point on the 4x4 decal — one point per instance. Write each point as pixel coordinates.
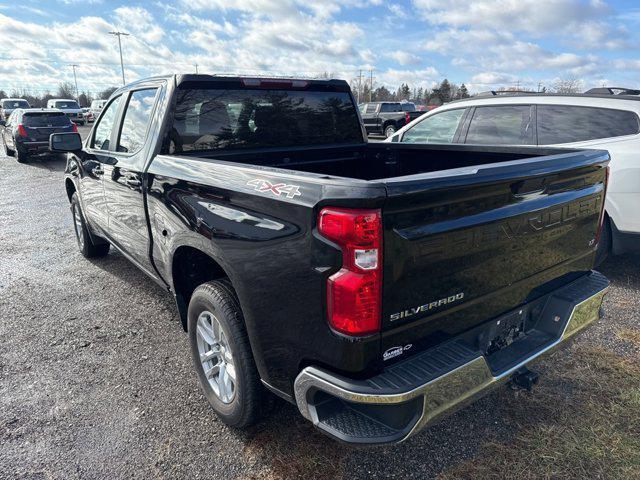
(277, 189)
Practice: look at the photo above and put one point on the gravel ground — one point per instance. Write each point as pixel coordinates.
(96, 380)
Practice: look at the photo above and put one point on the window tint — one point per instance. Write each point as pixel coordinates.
(408, 107)
(211, 119)
(67, 104)
(371, 108)
(136, 120)
(390, 107)
(503, 125)
(438, 128)
(567, 124)
(45, 119)
(10, 104)
(103, 129)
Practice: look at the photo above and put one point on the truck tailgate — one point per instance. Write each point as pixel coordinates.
(464, 246)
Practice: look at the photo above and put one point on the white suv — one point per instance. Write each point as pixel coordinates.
(608, 122)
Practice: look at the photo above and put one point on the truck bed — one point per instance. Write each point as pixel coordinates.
(381, 161)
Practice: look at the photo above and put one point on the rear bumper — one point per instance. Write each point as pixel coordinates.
(33, 147)
(414, 393)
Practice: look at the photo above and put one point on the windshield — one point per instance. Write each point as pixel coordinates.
(11, 104)
(45, 119)
(67, 105)
(208, 119)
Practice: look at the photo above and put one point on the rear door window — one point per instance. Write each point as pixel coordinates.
(136, 120)
(104, 127)
(559, 124)
(502, 125)
(438, 128)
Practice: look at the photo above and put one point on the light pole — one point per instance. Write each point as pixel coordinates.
(75, 80)
(120, 34)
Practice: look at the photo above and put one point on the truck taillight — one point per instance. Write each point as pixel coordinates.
(604, 197)
(407, 117)
(354, 293)
(21, 131)
(74, 127)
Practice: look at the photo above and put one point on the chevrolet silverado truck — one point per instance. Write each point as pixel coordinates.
(386, 118)
(377, 286)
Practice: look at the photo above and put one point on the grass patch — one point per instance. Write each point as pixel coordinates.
(582, 421)
(629, 335)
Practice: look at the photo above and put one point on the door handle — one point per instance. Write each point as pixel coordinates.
(133, 182)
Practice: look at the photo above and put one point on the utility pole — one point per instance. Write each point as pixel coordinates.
(359, 84)
(196, 65)
(370, 83)
(75, 80)
(120, 34)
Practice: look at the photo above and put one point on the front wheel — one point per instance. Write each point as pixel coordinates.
(389, 130)
(86, 245)
(222, 355)
(21, 156)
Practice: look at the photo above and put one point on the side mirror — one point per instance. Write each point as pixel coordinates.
(65, 142)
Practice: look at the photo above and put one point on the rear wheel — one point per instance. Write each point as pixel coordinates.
(87, 245)
(21, 155)
(222, 355)
(389, 130)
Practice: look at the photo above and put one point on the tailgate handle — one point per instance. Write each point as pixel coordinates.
(528, 187)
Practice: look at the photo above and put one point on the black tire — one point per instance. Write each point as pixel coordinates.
(8, 150)
(604, 246)
(89, 247)
(389, 130)
(21, 156)
(249, 396)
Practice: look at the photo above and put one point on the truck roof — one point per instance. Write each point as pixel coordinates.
(179, 78)
(520, 95)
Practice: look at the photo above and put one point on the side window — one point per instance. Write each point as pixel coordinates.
(136, 120)
(390, 107)
(438, 128)
(371, 108)
(559, 124)
(503, 125)
(102, 135)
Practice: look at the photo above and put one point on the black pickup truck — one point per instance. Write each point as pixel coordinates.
(377, 286)
(386, 118)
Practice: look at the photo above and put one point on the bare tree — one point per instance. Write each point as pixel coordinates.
(567, 85)
(66, 90)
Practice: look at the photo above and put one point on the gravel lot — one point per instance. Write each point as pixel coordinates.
(96, 378)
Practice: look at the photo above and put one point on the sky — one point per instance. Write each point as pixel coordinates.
(486, 44)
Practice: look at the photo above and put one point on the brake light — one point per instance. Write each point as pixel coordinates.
(274, 83)
(21, 131)
(354, 294)
(407, 117)
(601, 224)
(74, 127)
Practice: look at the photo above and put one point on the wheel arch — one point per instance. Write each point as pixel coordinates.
(191, 267)
(70, 187)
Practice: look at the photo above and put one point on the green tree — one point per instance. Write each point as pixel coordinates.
(106, 93)
(443, 91)
(463, 92)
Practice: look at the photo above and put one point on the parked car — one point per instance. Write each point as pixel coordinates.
(96, 107)
(385, 118)
(605, 121)
(88, 115)
(69, 107)
(377, 286)
(26, 132)
(8, 105)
